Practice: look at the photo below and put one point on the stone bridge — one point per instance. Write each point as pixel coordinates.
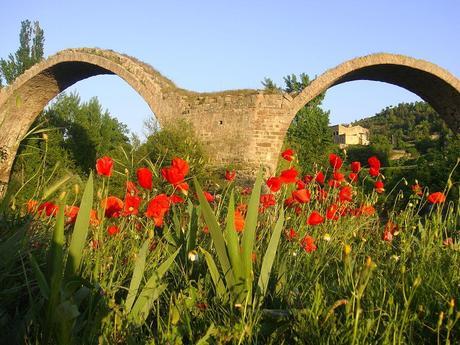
(244, 126)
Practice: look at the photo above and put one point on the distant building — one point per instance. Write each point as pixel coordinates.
(350, 135)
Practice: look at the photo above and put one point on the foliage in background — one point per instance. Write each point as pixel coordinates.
(175, 139)
(416, 129)
(76, 134)
(30, 51)
(309, 133)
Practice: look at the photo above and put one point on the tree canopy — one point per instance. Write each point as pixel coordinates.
(309, 133)
(30, 51)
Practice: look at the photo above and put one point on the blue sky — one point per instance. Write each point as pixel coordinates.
(219, 45)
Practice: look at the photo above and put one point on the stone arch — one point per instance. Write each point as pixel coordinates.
(430, 82)
(22, 101)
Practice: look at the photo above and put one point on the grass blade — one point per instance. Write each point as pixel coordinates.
(216, 234)
(250, 231)
(151, 290)
(233, 247)
(55, 266)
(215, 276)
(269, 256)
(58, 184)
(41, 280)
(80, 231)
(138, 273)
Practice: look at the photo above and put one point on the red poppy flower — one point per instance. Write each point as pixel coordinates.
(391, 227)
(230, 175)
(289, 202)
(131, 188)
(338, 176)
(173, 175)
(387, 236)
(345, 194)
(374, 172)
(239, 221)
(291, 234)
(242, 208)
(353, 177)
(104, 166)
(301, 195)
(315, 218)
(93, 218)
(448, 242)
(335, 161)
(157, 208)
(436, 198)
(131, 205)
(183, 187)
(320, 178)
(144, 178)
(379, 187)
(308, 178)
(374, 162)
(32, 206)
(246, 191)
(71, 213)
(181, 165)
(417, 189)
(308, 244)
(300, 184)
(355, 167)
(332, 212)
(289, 175)
(288, 154)
(367, 210)
(334, 183)
(209, 197)
(267, 200)
(206, 229)
(176, 199)
(322, 194)
(274, 183)
(113, 230)
(49, 208)
(112, 206)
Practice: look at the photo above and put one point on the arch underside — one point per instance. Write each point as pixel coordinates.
(442, 96)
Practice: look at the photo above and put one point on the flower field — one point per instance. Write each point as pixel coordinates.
(320, 258)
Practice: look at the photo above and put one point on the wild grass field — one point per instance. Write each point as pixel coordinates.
(315, 259)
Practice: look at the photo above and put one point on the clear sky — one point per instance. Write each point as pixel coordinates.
(218, 45)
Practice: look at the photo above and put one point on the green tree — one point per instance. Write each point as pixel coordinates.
(30, 51)
(77, 134)
(88, 131)
(309, 133)
(176, 139)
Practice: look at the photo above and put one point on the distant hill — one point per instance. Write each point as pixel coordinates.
(406, 123)
(414, 127)
(414, 143)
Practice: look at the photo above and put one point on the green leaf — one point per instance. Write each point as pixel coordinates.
(41, 280)
(212, 330)
(9, 248)
(193, 227)
(269, 256)
(138, 273)
(151, 291)
(233, 247)
(250, 231)
(56, 265)
(80, 230)
(215, 276)
(58, 184)
(216, 234)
